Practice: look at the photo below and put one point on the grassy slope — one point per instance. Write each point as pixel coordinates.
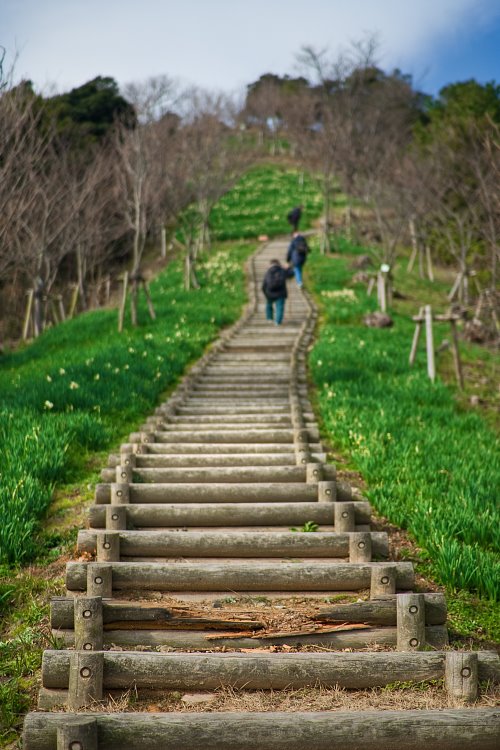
(432, 467)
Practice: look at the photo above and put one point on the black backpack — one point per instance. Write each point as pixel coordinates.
(274, 281)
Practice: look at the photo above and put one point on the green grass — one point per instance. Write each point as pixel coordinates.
(432, 467)
(260, 202)
(76, 388)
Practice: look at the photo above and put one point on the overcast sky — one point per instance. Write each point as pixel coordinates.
(226, 44)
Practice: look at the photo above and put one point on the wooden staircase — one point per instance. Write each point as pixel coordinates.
(194, 574)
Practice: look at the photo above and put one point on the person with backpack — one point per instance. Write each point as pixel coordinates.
(297, 255)
(293, 217)
(274, 288)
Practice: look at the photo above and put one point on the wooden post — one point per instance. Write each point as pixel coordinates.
(461, 680)
(27, 316)
(428, 257)
(120, 494)
(416, 336)
(88, 623)
(371, 284)
(381, 292)
(456, 284)
(116, 517)
(85, 678)
(414, 244)
(163, 243)
(78, 734)
(124, 474)
(429, 343)
(314, 473)
(383, 581)
(74, 300)
(149, 301)
(327, 492)
(344, 517)
(410, 618)
(108, 546)
(127, 458)
(456, 355)
(121, 313)
(360, 547)
(100, 580)
(62, 313)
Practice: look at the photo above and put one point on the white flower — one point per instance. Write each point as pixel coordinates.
(49, 379)
(48, 405)
(73, 385)
(62, 371)
(97, 376)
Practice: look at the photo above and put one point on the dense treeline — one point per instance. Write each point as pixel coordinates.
(89, 177)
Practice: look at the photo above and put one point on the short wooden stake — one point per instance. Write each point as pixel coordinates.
(410, 617)
(121, 313)
(360, 547)
(73, 302)
(303, 455)
(27, 317)
(88, 623)
(116, 517)
(127, 459)
(456, 355)
(383, 581)
(85, 678)
(124, 474)
(314, 472)
(381, 291)
(327, 492)
(301, 437)
(149, 301)
(78, 734)
(100, 580)
(120, 493)
(461, 680)
(108, 546)
(429, 342)
(416, 337)
(344, 517)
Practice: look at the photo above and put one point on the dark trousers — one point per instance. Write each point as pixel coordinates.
(275, 310)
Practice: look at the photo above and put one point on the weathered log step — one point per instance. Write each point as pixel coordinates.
(216, 492)
(233, 544)
(226, 424)
(247, 419)
(196, 397)
(450, 729)
(253, 435)
(235, 576)
(256, 357)
(266, 390)
(224, 377)
(153, 671)
(221, 474)
(201, 409)
(436, 636)
(382, 611)
(185, 449)
(153, 461)
(131, 615)
(229, 514)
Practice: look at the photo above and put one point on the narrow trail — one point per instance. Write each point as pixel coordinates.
(191, 579)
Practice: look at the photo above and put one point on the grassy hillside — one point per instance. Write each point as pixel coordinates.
(431, 466)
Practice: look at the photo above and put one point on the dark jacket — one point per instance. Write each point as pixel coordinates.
(274, 284)
(294, 216)
(297, 251)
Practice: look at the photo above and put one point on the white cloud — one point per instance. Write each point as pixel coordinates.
(221, 43)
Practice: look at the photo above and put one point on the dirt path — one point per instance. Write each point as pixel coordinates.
(230, 591)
